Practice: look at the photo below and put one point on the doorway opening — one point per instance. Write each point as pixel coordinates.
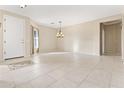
(110, 38)
(35, 35)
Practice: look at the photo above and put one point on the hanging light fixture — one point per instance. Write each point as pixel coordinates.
(59, 33)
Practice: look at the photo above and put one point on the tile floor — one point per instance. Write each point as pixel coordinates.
(65, 70)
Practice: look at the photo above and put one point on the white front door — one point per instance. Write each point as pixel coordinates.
(13, 37)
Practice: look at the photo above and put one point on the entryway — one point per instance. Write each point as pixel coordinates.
(111, 38)
(13, 37)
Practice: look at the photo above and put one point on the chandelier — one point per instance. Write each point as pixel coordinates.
(59, 33)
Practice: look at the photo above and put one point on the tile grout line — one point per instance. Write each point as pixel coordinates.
(87, 75)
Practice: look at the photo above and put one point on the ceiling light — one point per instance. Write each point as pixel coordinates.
(59, 34)
(23, 6)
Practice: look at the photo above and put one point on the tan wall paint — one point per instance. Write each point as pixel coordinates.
(81, 38)
(47, 37)
(85, 37)
(47, 40)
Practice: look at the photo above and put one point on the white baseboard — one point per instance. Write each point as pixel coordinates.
(87, 53)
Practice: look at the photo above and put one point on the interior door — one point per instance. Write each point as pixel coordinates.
(112, 39)
(13, 37)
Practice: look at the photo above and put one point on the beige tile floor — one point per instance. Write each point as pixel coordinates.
(66, 70)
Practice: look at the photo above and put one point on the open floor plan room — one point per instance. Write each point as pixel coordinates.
(69, 46)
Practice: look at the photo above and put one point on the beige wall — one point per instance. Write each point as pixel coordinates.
(48, 41)
(84, 38)
(47, 35)
(81, 38)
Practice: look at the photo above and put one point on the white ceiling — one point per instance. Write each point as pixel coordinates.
(68, 14)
